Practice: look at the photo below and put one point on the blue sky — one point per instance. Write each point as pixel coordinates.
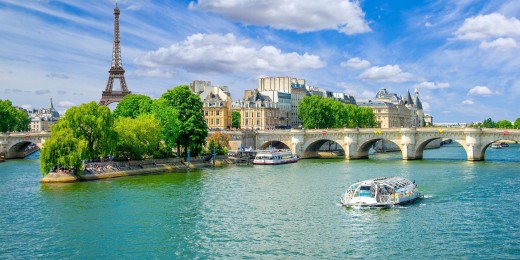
(462, 55)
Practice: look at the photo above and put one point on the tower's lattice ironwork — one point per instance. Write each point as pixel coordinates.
(116, 69)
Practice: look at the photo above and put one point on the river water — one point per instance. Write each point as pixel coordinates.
(288, 211)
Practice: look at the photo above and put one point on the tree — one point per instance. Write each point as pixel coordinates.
(168, 118)
(193, 129)
(352, 118)
(488, 123)
(504, 124)
(517, 123)
(62, 149)
(138, 138)
(133, 105)
(220, 142)
(366, 117)
(315, 113)
(12, 119)
(235, 119)
(94, 124)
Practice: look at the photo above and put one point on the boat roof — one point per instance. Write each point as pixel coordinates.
(393, 181)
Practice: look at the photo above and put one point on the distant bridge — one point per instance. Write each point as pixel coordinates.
(13, 145)
(357, 142)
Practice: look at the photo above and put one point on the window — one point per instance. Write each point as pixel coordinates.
(218, 122)
(218, 112)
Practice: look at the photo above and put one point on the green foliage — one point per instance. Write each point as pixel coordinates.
(12, 119)
(504, 124)
(235, 119)
(517, 123)
(133, 105)
(352, 112)
(318, 112)
(220, 142)
(138, 138)
(488, 123)
(168, 118)
(193, 129)
(94, 124)
(366, 117)
(62, 149)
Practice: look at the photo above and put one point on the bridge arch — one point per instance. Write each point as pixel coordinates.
(274, 144)
(313, 148)
(423, 142)
(486, 143)
(20, 149)
(364, 147)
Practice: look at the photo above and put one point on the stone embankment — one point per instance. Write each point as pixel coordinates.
(105, 170)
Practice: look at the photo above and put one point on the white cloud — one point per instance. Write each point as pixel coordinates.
(468, 102)
(427, 24)
(302, 16)
(388, 73)
(156, 73)
(425, 105)
(358, 91)
(488, 26)
(356, 63)
(226, 53)
(432, 85)
(66, 104)
(500, 44)
(481, 91)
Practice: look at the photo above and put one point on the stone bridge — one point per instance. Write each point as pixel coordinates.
(12, 145)
(357, 142)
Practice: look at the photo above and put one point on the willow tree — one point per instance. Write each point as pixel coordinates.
(94, 124)
(62, 149)
(86, 131)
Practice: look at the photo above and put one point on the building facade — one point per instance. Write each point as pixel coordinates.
(42, 119)
(284, 103)
(392, 110)
(257, 111)
(216, 104)
(295, 87)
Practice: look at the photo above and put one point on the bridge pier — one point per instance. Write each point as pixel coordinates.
(473, 145)
(408, 145)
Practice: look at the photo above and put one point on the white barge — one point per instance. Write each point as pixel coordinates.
(381, 192)
(275, 156)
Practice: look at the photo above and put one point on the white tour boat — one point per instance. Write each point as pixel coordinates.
(496, 146)
(275, 156)
(381, 192)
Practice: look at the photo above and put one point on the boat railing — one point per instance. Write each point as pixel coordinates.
(385, 199)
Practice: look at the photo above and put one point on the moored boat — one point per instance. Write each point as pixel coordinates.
(496, 146)
(381, 192)
(504, 144)
(275, 156)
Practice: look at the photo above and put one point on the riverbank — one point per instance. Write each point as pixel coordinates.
(106, 170)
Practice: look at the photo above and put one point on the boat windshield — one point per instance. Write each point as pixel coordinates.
(364, 191)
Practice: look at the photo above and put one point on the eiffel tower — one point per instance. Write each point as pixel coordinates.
(116, 70)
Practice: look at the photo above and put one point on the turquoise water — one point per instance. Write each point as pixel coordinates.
(289, 211)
